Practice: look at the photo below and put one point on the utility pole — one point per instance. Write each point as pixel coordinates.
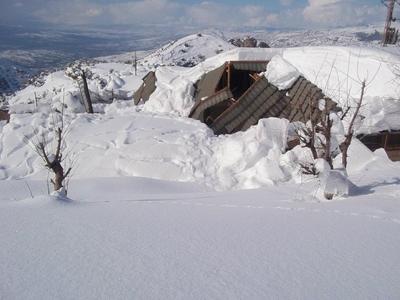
(135, 62)
(390, 35)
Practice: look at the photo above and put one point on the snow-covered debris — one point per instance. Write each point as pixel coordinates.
(335, 184)
(281, 73)
(129, 143)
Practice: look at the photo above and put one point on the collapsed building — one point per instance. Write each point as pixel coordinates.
(236, 95)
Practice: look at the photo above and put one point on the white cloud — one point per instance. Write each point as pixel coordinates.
(164, 12)
(341, 12)
(210, 13)
(214, 14)
(145, 11)
(286, 2)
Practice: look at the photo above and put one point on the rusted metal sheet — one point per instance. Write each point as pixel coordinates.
(208, 83)
(261, 99)
(85, 93)
(146, 89)
(235, 110)
(252, 66)
(305, 97)
(274, 105)
(257, 109)
(264, 100)
(4, 115)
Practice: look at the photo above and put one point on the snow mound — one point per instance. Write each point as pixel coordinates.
(124, 142)
(281, 73)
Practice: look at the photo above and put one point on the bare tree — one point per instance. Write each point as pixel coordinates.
(53, 157)
(344, 146)
(317, 135)
(310, 136)
(54, 162)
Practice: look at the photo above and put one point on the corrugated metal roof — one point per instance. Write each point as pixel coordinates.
(304, 103)
(233, 113)
(198, 110)
(252, 66)
(208, 83)
(146, 89)
(261, 100)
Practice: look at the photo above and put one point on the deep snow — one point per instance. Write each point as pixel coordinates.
(152, 240)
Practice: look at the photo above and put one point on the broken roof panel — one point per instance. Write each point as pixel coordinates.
(198, 110)
(208, 83)
(235, 97)
(253, 66)
(305, 97)
(146, 89)
(261, 99)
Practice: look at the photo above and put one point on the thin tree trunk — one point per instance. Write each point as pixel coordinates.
(344, 147)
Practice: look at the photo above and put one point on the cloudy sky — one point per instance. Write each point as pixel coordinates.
(194, 13)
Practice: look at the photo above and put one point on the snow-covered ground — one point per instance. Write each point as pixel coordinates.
(160, 208)
(145, 239)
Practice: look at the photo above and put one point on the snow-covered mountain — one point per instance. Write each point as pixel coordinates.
(351, 36)
(26, 52)
(18, 61)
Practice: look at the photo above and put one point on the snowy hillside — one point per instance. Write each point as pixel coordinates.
(351, 36)
(160, 207)
(26, 51)
(188, 51)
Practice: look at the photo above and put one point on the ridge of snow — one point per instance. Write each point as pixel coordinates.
(281, 73)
